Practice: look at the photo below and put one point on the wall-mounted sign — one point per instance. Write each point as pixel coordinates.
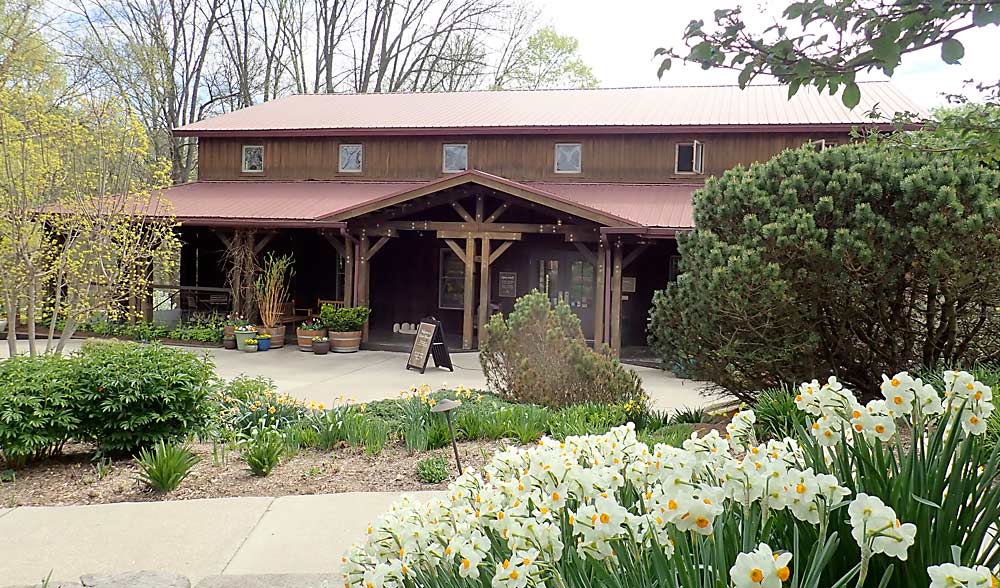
(628, 284)
(508, 284)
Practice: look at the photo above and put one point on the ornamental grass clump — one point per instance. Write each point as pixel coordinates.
(163, 468)
(262, 449)
(844, 503)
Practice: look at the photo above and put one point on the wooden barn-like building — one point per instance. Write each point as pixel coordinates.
(452, 205)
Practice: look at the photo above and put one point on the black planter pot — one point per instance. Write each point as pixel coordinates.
(229, 342)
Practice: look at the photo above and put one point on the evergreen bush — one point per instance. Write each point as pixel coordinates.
(852, 260)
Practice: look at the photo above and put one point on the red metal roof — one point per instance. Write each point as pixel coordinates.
(613, 110)
(312, 203)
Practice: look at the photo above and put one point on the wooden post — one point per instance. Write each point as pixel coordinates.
(348, 272)
(363, 281)
(470, 292)
(616, 300)
(599, 300)
(484, 289)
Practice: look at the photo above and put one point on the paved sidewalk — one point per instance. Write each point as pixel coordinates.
(195, 538)
(376, 375)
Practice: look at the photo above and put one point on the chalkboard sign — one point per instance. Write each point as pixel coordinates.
(429, 342)
(508, 284)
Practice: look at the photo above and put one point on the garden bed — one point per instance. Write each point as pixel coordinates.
(74, 478)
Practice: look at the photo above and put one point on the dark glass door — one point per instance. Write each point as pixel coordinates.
(568, 276)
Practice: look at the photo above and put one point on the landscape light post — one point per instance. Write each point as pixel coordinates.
(446, 406)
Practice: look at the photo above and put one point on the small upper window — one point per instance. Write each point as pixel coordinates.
(690, 158)
(820, 144)
(351, 158)
(455, 157)
(253, 159)
(569, 158)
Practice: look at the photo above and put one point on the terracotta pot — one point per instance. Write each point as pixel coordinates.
(277, 335)
(348, 342)
(305, 338)
(229, 342)
(321, 347)
(242, 336)
(228, 331)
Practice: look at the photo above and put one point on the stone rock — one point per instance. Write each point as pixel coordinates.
(274, 581)
(136, 580)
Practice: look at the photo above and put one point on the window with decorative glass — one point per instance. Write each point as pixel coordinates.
(451, 281)
(351, 158)
(455, 158)
(253, 159)
(569, 158)
(690, 158)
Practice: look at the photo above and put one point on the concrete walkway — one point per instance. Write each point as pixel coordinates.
(195, 538)
(376, 375)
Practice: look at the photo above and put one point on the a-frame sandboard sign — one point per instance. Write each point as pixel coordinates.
(429, 342)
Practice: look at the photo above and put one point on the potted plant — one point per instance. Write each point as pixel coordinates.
(344, 325)
(229, 342)
(321, 345)
(231, 323)
(243, 333)
(250, 345)
(263, 342)
(306, 331)
(272, 294)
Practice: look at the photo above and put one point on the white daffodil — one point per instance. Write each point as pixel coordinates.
(761, 568)
(950, 575)
(899, 392)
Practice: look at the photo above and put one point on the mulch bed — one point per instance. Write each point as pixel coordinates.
(73, 478)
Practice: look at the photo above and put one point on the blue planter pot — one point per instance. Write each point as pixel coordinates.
(263, 344)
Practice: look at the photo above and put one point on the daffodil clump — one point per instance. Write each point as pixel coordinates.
(267, 409)
(609, 510)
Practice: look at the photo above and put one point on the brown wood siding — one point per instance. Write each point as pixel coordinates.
(606, 158)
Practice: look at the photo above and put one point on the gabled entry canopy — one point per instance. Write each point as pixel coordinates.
(533, 194)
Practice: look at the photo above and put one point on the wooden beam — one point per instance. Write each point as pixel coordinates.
(488, 235)
(483, 227)
(599, 300)
(496, 213)
(414, 206)
(616, 299)
(634, 254)
(225, 237)
(484, 289)
(259, 246)
(456, 249)
(587, 253)
(363, 270)
(332, 239)
(462, 212)
(479, 208)
(348, 272)
(377, 246)
(469, 301)
(500, 251)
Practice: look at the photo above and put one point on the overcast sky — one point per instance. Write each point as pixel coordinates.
(618, 37)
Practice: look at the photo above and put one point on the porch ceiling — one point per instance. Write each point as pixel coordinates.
(270, 203)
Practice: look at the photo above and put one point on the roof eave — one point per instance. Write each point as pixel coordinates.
(260, 223)
(538, 130)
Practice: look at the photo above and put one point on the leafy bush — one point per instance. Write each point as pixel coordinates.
(204, 329)
(262, 449)
(138, 395)
(851, 260)
(343, 320)
(165, 466)
(538, 355)
(39, 406)
(432, 470)
(777, 415)
(139, 331)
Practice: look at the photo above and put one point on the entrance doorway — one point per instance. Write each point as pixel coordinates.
(566, 275)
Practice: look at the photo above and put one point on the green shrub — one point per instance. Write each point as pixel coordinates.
(262, 449)
(432, 470)
(165, 466)
(137, 395)
(777, 415)
(854, 260)
(538, 355)
(205, 329)
(343, 320)
(39, 406)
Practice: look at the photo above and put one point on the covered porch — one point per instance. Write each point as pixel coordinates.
(458, 249)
